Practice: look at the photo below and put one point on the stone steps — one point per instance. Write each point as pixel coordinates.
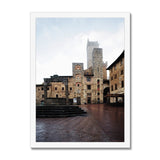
(58, 111)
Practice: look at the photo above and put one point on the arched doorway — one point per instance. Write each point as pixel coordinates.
(105, 92)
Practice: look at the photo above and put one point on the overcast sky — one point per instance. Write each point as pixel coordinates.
(62, 41)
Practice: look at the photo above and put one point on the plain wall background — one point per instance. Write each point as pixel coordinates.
(15, 78)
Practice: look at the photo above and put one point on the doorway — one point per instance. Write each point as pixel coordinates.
(89, 100)
(78, 100)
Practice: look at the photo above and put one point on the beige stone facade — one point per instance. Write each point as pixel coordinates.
(83, 87)
(116, 71)
(40, 93)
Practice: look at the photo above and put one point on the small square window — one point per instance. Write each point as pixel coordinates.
(88, 86)
(115, 86)
(55, 88)
(88, 79)
(62, 88)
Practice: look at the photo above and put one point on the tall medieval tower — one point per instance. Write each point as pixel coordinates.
(78, 72)
(97, 64)
(90, 46)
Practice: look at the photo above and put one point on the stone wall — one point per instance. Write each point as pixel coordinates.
(117, 79)
(98, 75)
(85, 86)
(40, 93)
(90, 46)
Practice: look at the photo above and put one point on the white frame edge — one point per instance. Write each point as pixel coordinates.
(127, 141)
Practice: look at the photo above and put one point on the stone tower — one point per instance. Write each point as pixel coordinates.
(105, 71)
(97, 64)
(90, 46)
(78, 73)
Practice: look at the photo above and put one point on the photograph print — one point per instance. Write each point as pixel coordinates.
(80, 80)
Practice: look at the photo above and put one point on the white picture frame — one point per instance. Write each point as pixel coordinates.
(127, 107)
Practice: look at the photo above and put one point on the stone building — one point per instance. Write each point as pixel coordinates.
(83, 87)
(90, 46)
(116, 71)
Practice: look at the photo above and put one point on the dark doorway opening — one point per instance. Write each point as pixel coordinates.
(78, 100)
(89, 100)
(105, 93)
(98, 100)
(70, 101)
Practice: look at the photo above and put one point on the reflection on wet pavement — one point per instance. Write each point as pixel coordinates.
(103, 123)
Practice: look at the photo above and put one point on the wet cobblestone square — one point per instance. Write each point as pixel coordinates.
(103, 123)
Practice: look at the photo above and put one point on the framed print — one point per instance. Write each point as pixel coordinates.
(80, 80)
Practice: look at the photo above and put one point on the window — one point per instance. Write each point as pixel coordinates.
(78, 84)
(122, 84)
(70, 88)
(111, 88)
(115, 86)
(56, 95)
(98, 93)
(98, 86)
(88, 79)
(55, 88)
(111, 78)
(47, 88)
(88, 86)
(42, 88)
(42, 95)
(98, 81)
(121, 72)
(62, 88)
(115, 76)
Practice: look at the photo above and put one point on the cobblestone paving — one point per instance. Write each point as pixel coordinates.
(103, 123)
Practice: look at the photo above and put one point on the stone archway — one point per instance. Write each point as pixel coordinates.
(105, 92)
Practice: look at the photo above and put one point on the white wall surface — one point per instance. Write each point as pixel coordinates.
(15, 78)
